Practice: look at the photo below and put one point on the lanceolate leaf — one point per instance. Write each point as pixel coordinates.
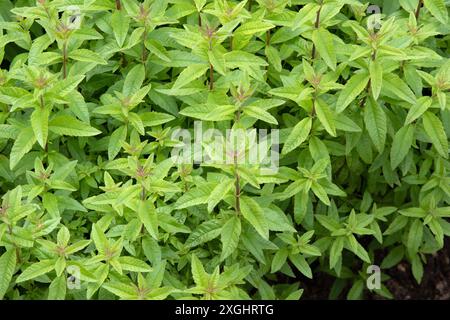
(437, 9)
(435, 131)
(376, 123)
(39, 123)
(24, 142)
(376, 77)
(69, 126)
(36, 269)
(298, 135)
(323, 40)
(401, 145)
(230, 236)
(7, 265)
(253, 213)
(218, 150)
(354, 86)
(148, 216)
(326, 117)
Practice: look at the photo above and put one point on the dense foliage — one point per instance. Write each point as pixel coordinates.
(95, 207)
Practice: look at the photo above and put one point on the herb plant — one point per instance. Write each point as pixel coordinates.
(95, 206)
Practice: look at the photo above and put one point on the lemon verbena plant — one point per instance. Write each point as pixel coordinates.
(220, 149)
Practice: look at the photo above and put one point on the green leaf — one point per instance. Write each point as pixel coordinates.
(326, 116)
(298, 135)
(323, 40)
(395, 87)
(22, 145)
(417, 268)
(376, 123)
(279, 259)
(253, 213)
(121, 290)
(336, 251)
(133, 264)
(120, 24)
(35, 270)
(115, 141)
(199, 275)
(354, 86)
(57, 289)
(401, 145)
(216, 58)
(219, 192)
(39, 123)
(229, 236)
(133, 81)
(205, 232)
(435, 131)
(148, 216)
(69, 126)
(259, 113)
(415, 236)
(86, 55)
(7, 267)
(422, 105)
(376, 77)
(189, 74)
(301, 264)
(437, 9)
(252, 27)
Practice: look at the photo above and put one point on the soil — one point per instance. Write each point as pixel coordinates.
(435, 283)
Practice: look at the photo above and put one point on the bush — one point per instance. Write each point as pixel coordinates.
(115, 115)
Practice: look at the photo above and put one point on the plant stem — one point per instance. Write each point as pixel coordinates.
(313, 111)
(199, 20)
(64, 66)
(237, 178)
(118, 5)
(237, 194)
(316, 25)
(419, 6)
(250, 2)
(211, 77)
(144, 49)
(143, 193)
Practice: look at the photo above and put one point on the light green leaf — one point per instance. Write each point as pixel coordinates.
(354, 86)
(435, 131)
(7, 267)
(133, 81)
(259, 113)
(376, 123)
(376, 77)
(219, 192)
(22, 145)
(189, 74)
(57, 289)
(132, 264)
(230, 234)
(422, 105)
(298, 135)
(69, 126)
(326, 116)
(148, 216)
(120, 24)
(437, 9)
(35, 270)
(39, 123)
(253, 213)
(323, 40)
(86, 55)
(401, 145)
